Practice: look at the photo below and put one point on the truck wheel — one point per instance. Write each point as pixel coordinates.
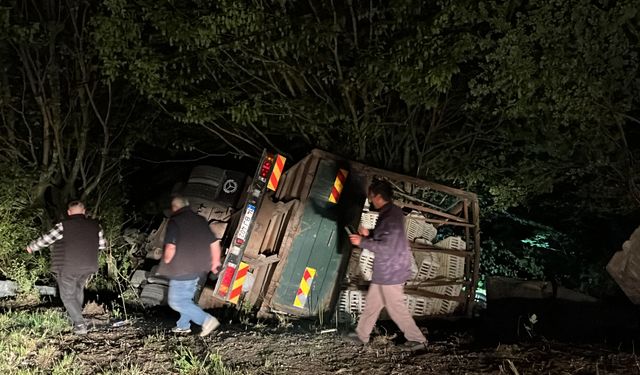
(154, 295)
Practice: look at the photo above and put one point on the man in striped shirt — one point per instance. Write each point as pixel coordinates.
(75, 243)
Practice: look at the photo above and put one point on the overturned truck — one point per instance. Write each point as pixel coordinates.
(288, 252)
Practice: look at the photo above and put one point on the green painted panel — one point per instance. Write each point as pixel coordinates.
(318, 245)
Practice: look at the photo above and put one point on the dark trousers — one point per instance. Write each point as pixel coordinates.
(71, 288)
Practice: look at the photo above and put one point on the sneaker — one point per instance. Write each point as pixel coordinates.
(209, 326)
(80, 329)
(414, 346)
(180, 330)
(353, 339)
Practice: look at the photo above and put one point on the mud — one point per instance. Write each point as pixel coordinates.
(283, 346)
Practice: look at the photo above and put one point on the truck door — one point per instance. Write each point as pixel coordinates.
(319, 248)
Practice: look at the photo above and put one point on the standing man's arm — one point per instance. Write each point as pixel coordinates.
(169, 252)
(376, 240)
(216, 250)
(47, 239)
(170, 241)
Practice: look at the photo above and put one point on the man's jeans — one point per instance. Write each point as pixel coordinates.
(181, 294)
(72, 294)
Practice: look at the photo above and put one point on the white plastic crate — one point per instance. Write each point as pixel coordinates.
(343, 313)
(429, 265)
(368, 219)
(452, 266)
(423, 306)
(343, 301)
(353, 268)
(447, 307)
(366, 264)
(414, 267)
(452, 290)
(435, 289)
(357, 300)
(453, 243)
(352, 301)
(417, 227)
(422, 241)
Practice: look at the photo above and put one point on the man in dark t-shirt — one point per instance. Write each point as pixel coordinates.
(191, 250)
(74, 257)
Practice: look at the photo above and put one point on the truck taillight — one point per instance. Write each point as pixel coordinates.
(266, 166)
(226, 279)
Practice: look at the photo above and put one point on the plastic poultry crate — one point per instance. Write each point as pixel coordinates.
(366, 264)
(453, 243)
(368, 219)
(423, 306)
(429, 265)
(352, 301)
(452, 266)
(417, 227)
(447, 307)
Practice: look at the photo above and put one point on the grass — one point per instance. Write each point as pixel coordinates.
(157, 338)
(189, 363)
(23, 341)
(46, 322)
(67, 365)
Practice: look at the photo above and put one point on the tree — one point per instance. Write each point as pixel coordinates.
(58, 116)
(252, 74)
(560, 81)
(483, 95)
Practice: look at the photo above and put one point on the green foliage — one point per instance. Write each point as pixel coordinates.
(67, 365)
(117, 262)
(188, 363)
(57, 115)
(513, 100)
(498, 259)
(23, 338)
(502, 98)
(557, 82)
(18, 228)
(38, 323)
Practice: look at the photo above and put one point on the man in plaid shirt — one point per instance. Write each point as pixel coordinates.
(74, 243)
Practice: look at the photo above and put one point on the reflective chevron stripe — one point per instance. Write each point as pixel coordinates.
(234, 296)
(338, 185)
(305, 287)
(277, 172)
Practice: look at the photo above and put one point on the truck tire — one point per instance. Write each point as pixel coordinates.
(154, 295)
(205, 174)
(138, 278)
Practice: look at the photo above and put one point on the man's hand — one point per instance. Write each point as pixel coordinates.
(364, 232)
(355, 239)
(29, 250)
(215, 268)
(216, 250)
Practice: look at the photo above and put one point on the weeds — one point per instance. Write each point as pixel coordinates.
(46, 322)
(159, 337)
(123, 367)
(284, 321)
(245, 313)
(22, 340)
(187, 363)
(68, 365)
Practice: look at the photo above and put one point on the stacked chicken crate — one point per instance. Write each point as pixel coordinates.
(427, 267)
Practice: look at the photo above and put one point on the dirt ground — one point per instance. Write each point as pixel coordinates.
(293, 347)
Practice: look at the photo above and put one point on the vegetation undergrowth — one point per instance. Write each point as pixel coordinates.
(189, 363)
